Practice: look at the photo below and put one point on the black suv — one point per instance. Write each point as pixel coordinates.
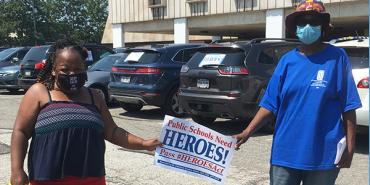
(227, 80)
(34, 61)
(149, 76)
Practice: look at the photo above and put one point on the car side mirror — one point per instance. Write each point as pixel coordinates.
(15, 60)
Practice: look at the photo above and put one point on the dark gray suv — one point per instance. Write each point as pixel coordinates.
(227, 80)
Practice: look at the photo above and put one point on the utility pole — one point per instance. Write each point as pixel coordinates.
(34, 21)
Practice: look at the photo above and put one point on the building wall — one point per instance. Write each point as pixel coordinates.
(125, 11)
(243, 19)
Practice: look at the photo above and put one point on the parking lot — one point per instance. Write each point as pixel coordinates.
(249, 166)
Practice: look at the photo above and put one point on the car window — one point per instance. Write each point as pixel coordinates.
(36, 54)
(273, 54)
(281, 50)
(101, 53)
(217, 56)
(184, 55)
(106, 63)
(5, 53)
(359, 57)
(142, 57)
(22, 53)
(178, 56)
(266, 56)
(89, 55)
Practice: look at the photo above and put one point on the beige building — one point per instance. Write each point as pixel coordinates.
(134, 22)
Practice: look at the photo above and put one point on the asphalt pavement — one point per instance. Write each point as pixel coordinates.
(250, 164)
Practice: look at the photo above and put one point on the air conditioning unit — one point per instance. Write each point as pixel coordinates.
(157, 3)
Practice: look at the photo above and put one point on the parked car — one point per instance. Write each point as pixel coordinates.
(12, 56)
(34, 61)
(8, 78)
(149, 76)
(357, 49)
(98, 74)
(3, 48)
(227, 80)
(9, 67)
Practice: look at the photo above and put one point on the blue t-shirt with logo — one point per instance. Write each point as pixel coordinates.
(308, 95)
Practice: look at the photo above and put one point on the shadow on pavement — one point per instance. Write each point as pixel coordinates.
(153, 114)
(232, 127)
(4, 149)
(5, 92)
(362, 142)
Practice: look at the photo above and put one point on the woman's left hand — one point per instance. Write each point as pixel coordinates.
(346, 160)
(151, 144)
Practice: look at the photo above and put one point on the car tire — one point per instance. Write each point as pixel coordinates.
(203, 120)
(172, 106)
(130, 107)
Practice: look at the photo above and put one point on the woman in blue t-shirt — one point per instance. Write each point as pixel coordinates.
(313, 97)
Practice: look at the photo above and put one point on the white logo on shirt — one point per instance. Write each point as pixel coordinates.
(319, 82)
(320, 75)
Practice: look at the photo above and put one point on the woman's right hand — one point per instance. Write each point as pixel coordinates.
(19, 178)
(151, 144)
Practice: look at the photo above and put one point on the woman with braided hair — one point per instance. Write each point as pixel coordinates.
(68, 124)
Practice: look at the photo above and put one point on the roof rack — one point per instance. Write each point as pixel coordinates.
(223, 40)
(349, 38)
(259, 40)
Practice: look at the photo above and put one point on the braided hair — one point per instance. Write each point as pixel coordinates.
(45, 76)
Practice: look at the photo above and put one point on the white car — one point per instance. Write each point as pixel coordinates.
(357, 49)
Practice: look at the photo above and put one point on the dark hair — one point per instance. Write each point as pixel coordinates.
(45, 76)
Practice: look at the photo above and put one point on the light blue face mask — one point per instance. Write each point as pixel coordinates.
(308, 34)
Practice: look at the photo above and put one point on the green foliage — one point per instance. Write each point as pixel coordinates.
(82, 20)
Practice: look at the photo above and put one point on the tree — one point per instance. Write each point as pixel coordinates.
(15, 19)
(82, 20)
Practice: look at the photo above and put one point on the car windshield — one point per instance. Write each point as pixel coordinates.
(5, 53)
(359, 57)
(106, 63)
(225, 56)
(36, 54)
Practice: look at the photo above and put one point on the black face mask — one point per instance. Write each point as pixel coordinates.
(71, 82)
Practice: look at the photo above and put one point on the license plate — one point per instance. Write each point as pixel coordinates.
(203, 83)
(125, 79)
(27, 73)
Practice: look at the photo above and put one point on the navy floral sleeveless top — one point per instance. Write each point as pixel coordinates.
(68, 140)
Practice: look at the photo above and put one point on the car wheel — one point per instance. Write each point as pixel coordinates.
(13, 90)
(203, 120)
(130, 107)
(172, 106)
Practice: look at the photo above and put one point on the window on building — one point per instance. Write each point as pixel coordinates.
(197, 7)
(245, 5)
